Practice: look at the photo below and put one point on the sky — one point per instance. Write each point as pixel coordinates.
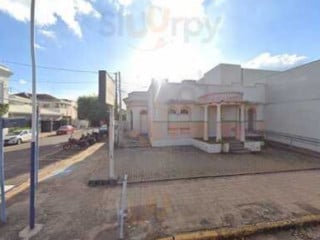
(155, 39)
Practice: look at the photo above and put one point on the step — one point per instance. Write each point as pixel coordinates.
(240, 151)
(237, 149)
(237, 146)
(240, 145)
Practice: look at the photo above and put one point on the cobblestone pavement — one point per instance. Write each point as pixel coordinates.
(182, 206)
(145, 164)
(67, 207)
(70, 210)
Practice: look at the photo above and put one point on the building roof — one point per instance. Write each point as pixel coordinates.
(40, 96)
(46, 97)
(6, 71)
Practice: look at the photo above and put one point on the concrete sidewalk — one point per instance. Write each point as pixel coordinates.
(47, 134)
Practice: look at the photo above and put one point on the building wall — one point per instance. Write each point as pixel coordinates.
(179, 95)
(4, 84)
(292, 108)
(212, 77)
(226, 74)
(180, 128)
(62, 107)
(254, 76)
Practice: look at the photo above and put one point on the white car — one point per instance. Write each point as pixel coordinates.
(17, 137)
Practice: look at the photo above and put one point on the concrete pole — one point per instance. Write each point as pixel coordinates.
(219, 130)
(34, 121)
(120, 111)
(2, 181)
(242, 124)
(205, 127)
(111, 143)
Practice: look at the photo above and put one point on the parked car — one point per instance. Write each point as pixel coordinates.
(18, 137)
(103, 130)
(65, 130)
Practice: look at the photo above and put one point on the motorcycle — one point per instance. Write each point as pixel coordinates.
(91, 139)
(81, 143)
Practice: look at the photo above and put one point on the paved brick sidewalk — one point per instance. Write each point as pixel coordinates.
(70, 210)
(183, 206)
(145, 164)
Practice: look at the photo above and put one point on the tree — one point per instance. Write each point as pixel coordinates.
(90, 109)
(3, 109)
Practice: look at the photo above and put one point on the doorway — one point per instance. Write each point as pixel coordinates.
(143, 122)
(251, 119)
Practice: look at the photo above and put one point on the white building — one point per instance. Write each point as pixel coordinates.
(53, 111)
(21, 107)
(231, 104)
(5, 74)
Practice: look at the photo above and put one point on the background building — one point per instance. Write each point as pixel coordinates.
(53, 112)
(5, 74)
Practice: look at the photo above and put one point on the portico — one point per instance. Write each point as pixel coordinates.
(219, 101)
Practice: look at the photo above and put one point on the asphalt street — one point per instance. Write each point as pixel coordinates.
(17, 157)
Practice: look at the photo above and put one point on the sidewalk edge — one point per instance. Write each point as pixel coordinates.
(246, 230)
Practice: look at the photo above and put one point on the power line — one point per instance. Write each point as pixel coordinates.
(48, 81)
(51, 67)
(57, 68)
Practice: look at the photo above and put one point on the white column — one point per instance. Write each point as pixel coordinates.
(242, 124)
(219, 130)
(205, 126)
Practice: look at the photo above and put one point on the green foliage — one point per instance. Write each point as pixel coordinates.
(90, 109)
(18, 129)
(4, 108)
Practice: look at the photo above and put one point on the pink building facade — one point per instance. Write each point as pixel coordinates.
(230, 104)
(226, 104)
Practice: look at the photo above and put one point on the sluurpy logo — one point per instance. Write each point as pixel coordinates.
(159, 28)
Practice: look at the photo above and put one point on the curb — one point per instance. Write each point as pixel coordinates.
(51, 170)
(246, 230)
(135, 182)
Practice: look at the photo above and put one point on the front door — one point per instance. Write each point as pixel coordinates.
(144, 122)
(251, 116)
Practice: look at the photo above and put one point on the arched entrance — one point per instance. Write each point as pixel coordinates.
(143, 122)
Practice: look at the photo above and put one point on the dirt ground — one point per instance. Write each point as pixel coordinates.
(70, 210)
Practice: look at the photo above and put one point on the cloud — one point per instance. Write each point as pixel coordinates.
(49, 11)
(22, 81)
(47, 33)
(38, 46)
(275, 62)
(179, 42)
(125, 3)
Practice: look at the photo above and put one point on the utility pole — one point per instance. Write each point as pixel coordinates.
(2, 183)
(120, 98)
(116, 108)
(111, 144)
(120, 112)
(116, 96)
(34, 121)
(112, 111)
